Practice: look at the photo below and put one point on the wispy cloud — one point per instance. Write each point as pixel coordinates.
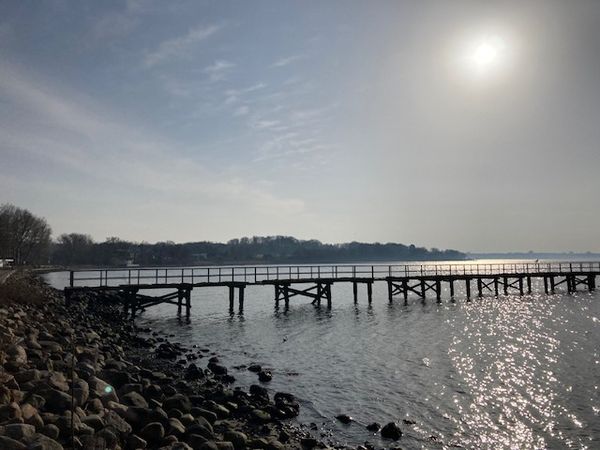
(218, 70)
(287, 60)
(241, 111)
(76, 135)
(179, 46)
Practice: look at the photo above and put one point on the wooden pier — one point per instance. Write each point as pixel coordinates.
(315, 282)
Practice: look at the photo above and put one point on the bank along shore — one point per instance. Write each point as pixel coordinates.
(85, 377)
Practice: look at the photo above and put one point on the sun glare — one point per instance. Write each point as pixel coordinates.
(486, 56)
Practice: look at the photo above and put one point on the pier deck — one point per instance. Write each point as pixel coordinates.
(290, 281)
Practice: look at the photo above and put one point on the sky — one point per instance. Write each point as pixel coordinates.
(466, 124)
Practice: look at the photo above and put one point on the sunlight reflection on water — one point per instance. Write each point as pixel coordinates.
(508, 372)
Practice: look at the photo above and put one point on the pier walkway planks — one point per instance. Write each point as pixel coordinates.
(315, 281)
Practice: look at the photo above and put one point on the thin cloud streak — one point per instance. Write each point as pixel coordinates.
(179, 46)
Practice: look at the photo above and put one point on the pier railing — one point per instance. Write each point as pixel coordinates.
(261, 274)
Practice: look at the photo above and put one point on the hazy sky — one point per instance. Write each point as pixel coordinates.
(470, 125)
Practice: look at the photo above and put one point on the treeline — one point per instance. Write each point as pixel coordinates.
(25, 239)
(77, 249)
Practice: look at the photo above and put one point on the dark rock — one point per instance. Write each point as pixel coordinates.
(178, 401)
(195, 440)
(309, 442)
(237, 438)
(57, 401)
(208, 445)
(154, 432)
(135, 442)
(217, 369)
(254, 368)
(260, 416)
(391, 431)
(344, 418)
(193, 373)
(265, 376)
(176, 428)
(408, 421)
(7, 443)
(225, 445)
(374, 427)
(19, 431)
(208, 415)
(201, 430)
(51, 431)
(134, 399)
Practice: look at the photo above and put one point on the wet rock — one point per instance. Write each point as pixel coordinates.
(208, 415)
(265, 376)
(408, 421)
(208, 445)
(259, 391)
(57, 401)
(344, 418)
(193, 373)
(16, 357)
(258, 443)
(391, 431)
(254, 368)
(116, 424)
(374, 427)
(217, 369)
(94, 421)
(81, 392)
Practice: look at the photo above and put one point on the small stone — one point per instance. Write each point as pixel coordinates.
(225, 445)
(217, 369)
(265, 376)
(374, 427)
(344, 418)
(254, 368)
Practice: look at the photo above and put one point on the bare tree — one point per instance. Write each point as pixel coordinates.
(23, 236)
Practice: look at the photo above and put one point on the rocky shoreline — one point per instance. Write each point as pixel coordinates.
(130, 390)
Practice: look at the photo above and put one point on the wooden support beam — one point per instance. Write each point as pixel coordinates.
(552, 284)
(496, 286)
(188, 301)
(231, 297)
(479, 287)
(355, 291)
(521, 285)
(179, 301)
(241, 298)
(546, 284)
(328, 294)
(423, 289)
(286, 295)
(468, 287)
(451, 281)
(529, 284)
(390, 288)
(405, 290)
(438, 291)
(591, 282)
(370, 292)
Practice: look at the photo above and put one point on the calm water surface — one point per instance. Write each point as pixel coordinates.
(507, 372)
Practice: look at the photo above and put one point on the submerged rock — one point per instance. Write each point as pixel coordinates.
(391, 431)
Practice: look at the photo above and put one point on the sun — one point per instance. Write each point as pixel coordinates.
(486, 55)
